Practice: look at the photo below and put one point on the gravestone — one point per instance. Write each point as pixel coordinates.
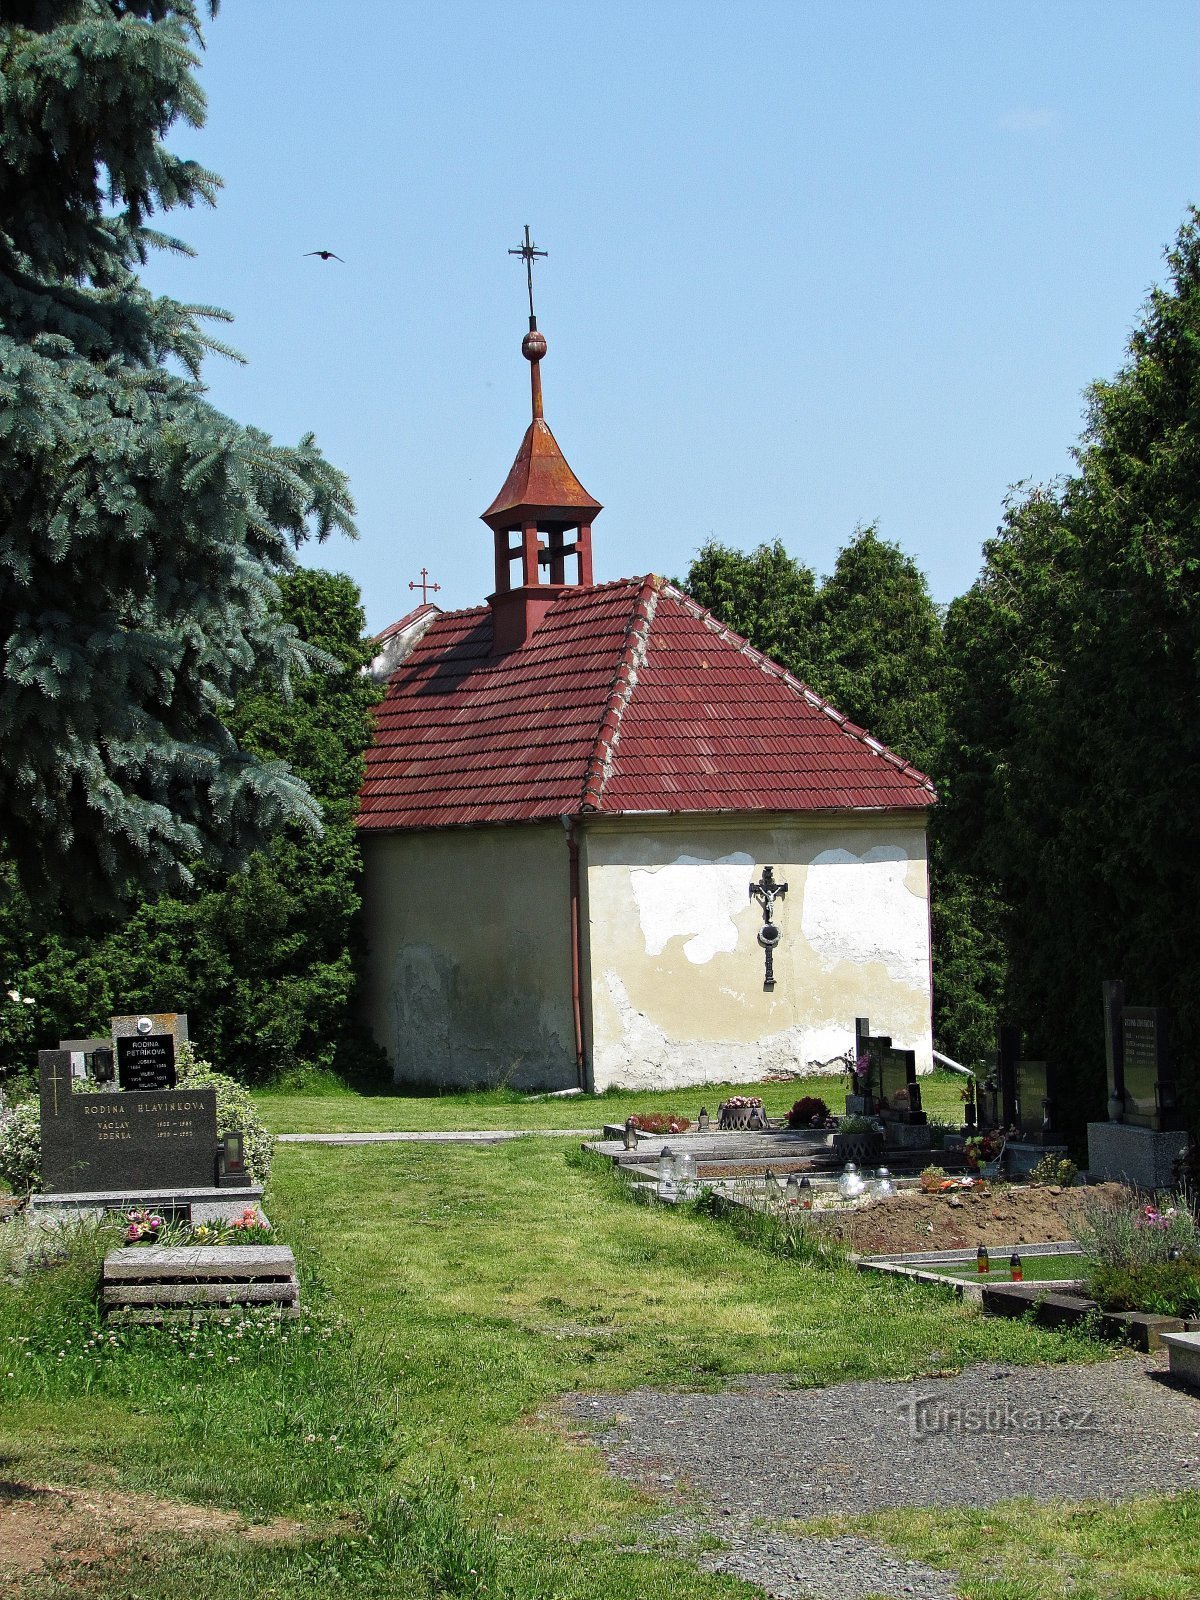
(1006, 1072)
(1113, 991)
(146, 1048)
(892, 1084)
(81, 1052)
(871, 1046)
(988, 1102)
(1034, 1102)
(123, 1142)
(142, 1142)
(1149, 1087)
(1144, 1139)
(1017, 1099)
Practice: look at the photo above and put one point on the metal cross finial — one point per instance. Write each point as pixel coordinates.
(529, 253)
(425, 586)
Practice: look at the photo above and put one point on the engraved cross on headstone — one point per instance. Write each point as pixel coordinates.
(55, 1080)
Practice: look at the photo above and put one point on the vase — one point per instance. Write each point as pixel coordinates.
(864, 1149)
(749, 1119)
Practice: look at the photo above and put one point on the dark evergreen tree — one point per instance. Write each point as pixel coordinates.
(870, 640)
(141, 532)
(767, 596)
(879, 647)
(1075, 745)
(266, 960)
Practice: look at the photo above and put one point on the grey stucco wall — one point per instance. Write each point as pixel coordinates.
(469, 963)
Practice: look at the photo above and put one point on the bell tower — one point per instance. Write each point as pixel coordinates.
(542, 517)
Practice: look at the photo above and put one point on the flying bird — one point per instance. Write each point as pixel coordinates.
(325, 255)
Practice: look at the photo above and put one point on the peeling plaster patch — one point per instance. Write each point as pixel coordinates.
(645, 1057)
(860, 909)
(694, 899)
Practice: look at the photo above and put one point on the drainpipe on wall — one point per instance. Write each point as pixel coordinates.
(576, 1007)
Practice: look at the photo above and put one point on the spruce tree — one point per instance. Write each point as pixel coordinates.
(142, 532)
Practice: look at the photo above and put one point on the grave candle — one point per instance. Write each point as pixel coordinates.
(981, 1259)
(1016, 1272)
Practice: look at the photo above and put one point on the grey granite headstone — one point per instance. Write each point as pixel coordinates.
(1144, 1157)
(137, 1139)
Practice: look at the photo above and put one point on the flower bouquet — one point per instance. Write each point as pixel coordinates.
(143, 1227)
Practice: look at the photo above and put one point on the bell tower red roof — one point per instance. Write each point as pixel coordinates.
(540, 482)
(544, 504)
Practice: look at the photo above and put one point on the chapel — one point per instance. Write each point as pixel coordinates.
(607, 842)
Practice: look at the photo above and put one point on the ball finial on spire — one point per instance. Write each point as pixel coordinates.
(533, 345)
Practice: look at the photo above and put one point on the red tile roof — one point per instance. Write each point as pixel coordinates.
(629, 698)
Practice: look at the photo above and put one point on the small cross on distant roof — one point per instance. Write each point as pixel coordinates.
(529, 253)
(425, 586)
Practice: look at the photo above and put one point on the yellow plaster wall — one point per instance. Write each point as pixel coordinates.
(675, 992)
(469, 961)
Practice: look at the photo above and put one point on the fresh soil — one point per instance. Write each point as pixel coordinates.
(995, 1214)
(41, 1524)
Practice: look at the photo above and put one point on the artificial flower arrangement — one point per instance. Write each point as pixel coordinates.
(983, 1147)
(249, 1228)
(143, 1225)
(809, 1112)
(737, 1101)
(858, 1070)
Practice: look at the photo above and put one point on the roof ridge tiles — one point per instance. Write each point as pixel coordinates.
(774, 670)
(463, 611)
(633, 653)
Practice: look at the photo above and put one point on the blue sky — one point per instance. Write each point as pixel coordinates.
(811, 264)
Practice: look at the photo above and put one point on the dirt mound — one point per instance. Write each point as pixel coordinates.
(963, 1218)
(39, 1523)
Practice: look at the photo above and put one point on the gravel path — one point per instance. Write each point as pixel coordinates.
(765, 1452)
(829, 1569)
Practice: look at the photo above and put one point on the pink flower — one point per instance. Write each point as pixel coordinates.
(133, 1231)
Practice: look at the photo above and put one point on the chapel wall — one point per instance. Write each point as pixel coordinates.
(468, 977)
(675, 991)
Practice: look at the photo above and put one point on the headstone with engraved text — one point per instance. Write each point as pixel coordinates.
(146, 1048)
(138, 1139)
(1149, 1088)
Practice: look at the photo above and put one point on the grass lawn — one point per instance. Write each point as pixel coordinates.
(418, 1442)
(1020, 1550)
(348, 1112)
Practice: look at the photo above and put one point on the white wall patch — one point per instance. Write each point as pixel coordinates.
(860, 909)
(694, 899)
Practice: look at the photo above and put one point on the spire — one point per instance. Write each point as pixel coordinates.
(541, 496)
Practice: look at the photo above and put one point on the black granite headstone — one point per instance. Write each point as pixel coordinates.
(146, 1061)
(1149, 1089)
(872, 1046)
(123, 1141)
(1006, 1072)
(1114, 1003)
(901, 1094)
(1034, 1101)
